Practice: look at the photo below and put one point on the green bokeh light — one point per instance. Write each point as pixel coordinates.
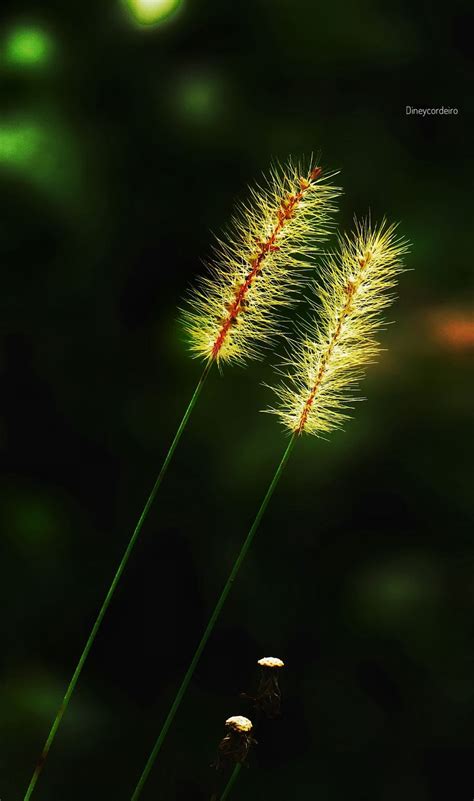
(20, 142)
(396, 590)
(39, 148)
(392, 592)
(32, 518)
(198, 98)
(152, 12)
(37, 523)
(28, 46)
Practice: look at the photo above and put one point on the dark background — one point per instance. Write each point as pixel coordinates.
(121, 147)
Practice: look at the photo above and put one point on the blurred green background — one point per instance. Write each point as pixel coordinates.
(127, 132)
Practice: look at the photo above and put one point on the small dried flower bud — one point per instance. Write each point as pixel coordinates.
(271, 662)
(239, 723)
(268, 697)
(235, 745)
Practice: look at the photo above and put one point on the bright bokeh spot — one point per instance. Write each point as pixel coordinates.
(20, 142)
(40, 149)
(452, 327)
(151, 12)
(27, 47)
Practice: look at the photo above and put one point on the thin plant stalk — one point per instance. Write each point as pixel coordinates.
(115, 581)
(213, 619)
(231, 782)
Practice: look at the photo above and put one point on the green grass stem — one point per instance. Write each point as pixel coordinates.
(113, 586)
(212, 621)
(231, 782)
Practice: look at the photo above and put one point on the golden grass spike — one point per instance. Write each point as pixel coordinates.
(257, 269)
(325, 366)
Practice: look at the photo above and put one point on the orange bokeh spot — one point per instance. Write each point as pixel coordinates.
(454, 328)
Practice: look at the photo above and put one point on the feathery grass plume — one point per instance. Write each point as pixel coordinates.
(325, 366)
(356, 288)
(233, 313)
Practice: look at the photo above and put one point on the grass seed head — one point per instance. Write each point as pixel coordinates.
(234, 312)
(325, 365)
